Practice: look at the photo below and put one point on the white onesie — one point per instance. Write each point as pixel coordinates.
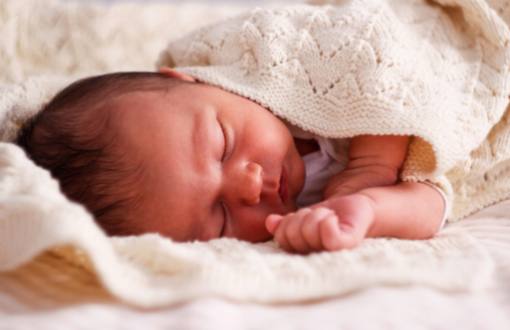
(330, 159)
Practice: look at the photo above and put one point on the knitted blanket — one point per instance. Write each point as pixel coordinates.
(438, 71)
(36, 219)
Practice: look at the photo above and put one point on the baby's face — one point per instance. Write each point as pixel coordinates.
(216, 164)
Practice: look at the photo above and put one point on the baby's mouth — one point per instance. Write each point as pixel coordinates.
(282, 189)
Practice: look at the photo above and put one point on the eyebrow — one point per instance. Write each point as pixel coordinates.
(201, 135)
(200, 142)
(194, 137)
(195, 164)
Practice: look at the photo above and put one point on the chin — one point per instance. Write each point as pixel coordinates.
(294, 207)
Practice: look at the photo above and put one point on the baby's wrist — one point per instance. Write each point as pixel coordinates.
(356, 204)
(369, 206)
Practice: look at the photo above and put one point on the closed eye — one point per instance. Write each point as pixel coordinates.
(227, 145)
(224, 154)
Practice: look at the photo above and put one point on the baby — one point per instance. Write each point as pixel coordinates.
(165, 153)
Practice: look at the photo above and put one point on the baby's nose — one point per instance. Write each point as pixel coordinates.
(251, 184)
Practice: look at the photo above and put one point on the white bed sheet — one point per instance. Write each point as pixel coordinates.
(376, 308)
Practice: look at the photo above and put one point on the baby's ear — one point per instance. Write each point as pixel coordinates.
(176, 74)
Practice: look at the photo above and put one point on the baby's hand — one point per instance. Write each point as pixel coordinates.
(334, 224)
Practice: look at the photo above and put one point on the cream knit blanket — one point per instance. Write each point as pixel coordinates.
(408, 67)
(35, 218)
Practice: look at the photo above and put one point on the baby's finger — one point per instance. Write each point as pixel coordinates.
(279, 236)
(310, 228)
(281, 231)
(331, 236)
(272, 222)
(294, 237)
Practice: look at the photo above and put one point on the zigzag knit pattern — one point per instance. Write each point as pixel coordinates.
(436, 71)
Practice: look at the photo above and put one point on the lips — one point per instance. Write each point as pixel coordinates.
(283, 188)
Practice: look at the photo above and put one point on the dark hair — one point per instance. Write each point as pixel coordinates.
(71, 138)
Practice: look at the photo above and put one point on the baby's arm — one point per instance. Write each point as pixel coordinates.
(363, 200)
(410, 210)
(374, 160)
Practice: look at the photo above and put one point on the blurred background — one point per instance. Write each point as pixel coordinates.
(240, 2)
(52, 37)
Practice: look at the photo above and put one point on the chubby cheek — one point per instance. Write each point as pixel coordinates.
(271, 134)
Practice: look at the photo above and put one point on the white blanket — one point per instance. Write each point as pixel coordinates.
(438, 71)
(44, 292)
(35, 218)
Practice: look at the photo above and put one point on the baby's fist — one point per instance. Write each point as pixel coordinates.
(307, 230)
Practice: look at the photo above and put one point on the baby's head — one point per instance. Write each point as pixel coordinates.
(162, 152)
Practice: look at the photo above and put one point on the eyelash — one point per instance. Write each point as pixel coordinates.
(225, 215)
(224, 154)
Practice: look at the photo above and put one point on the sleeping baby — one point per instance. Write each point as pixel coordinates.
(149, 152)
(292, 124)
